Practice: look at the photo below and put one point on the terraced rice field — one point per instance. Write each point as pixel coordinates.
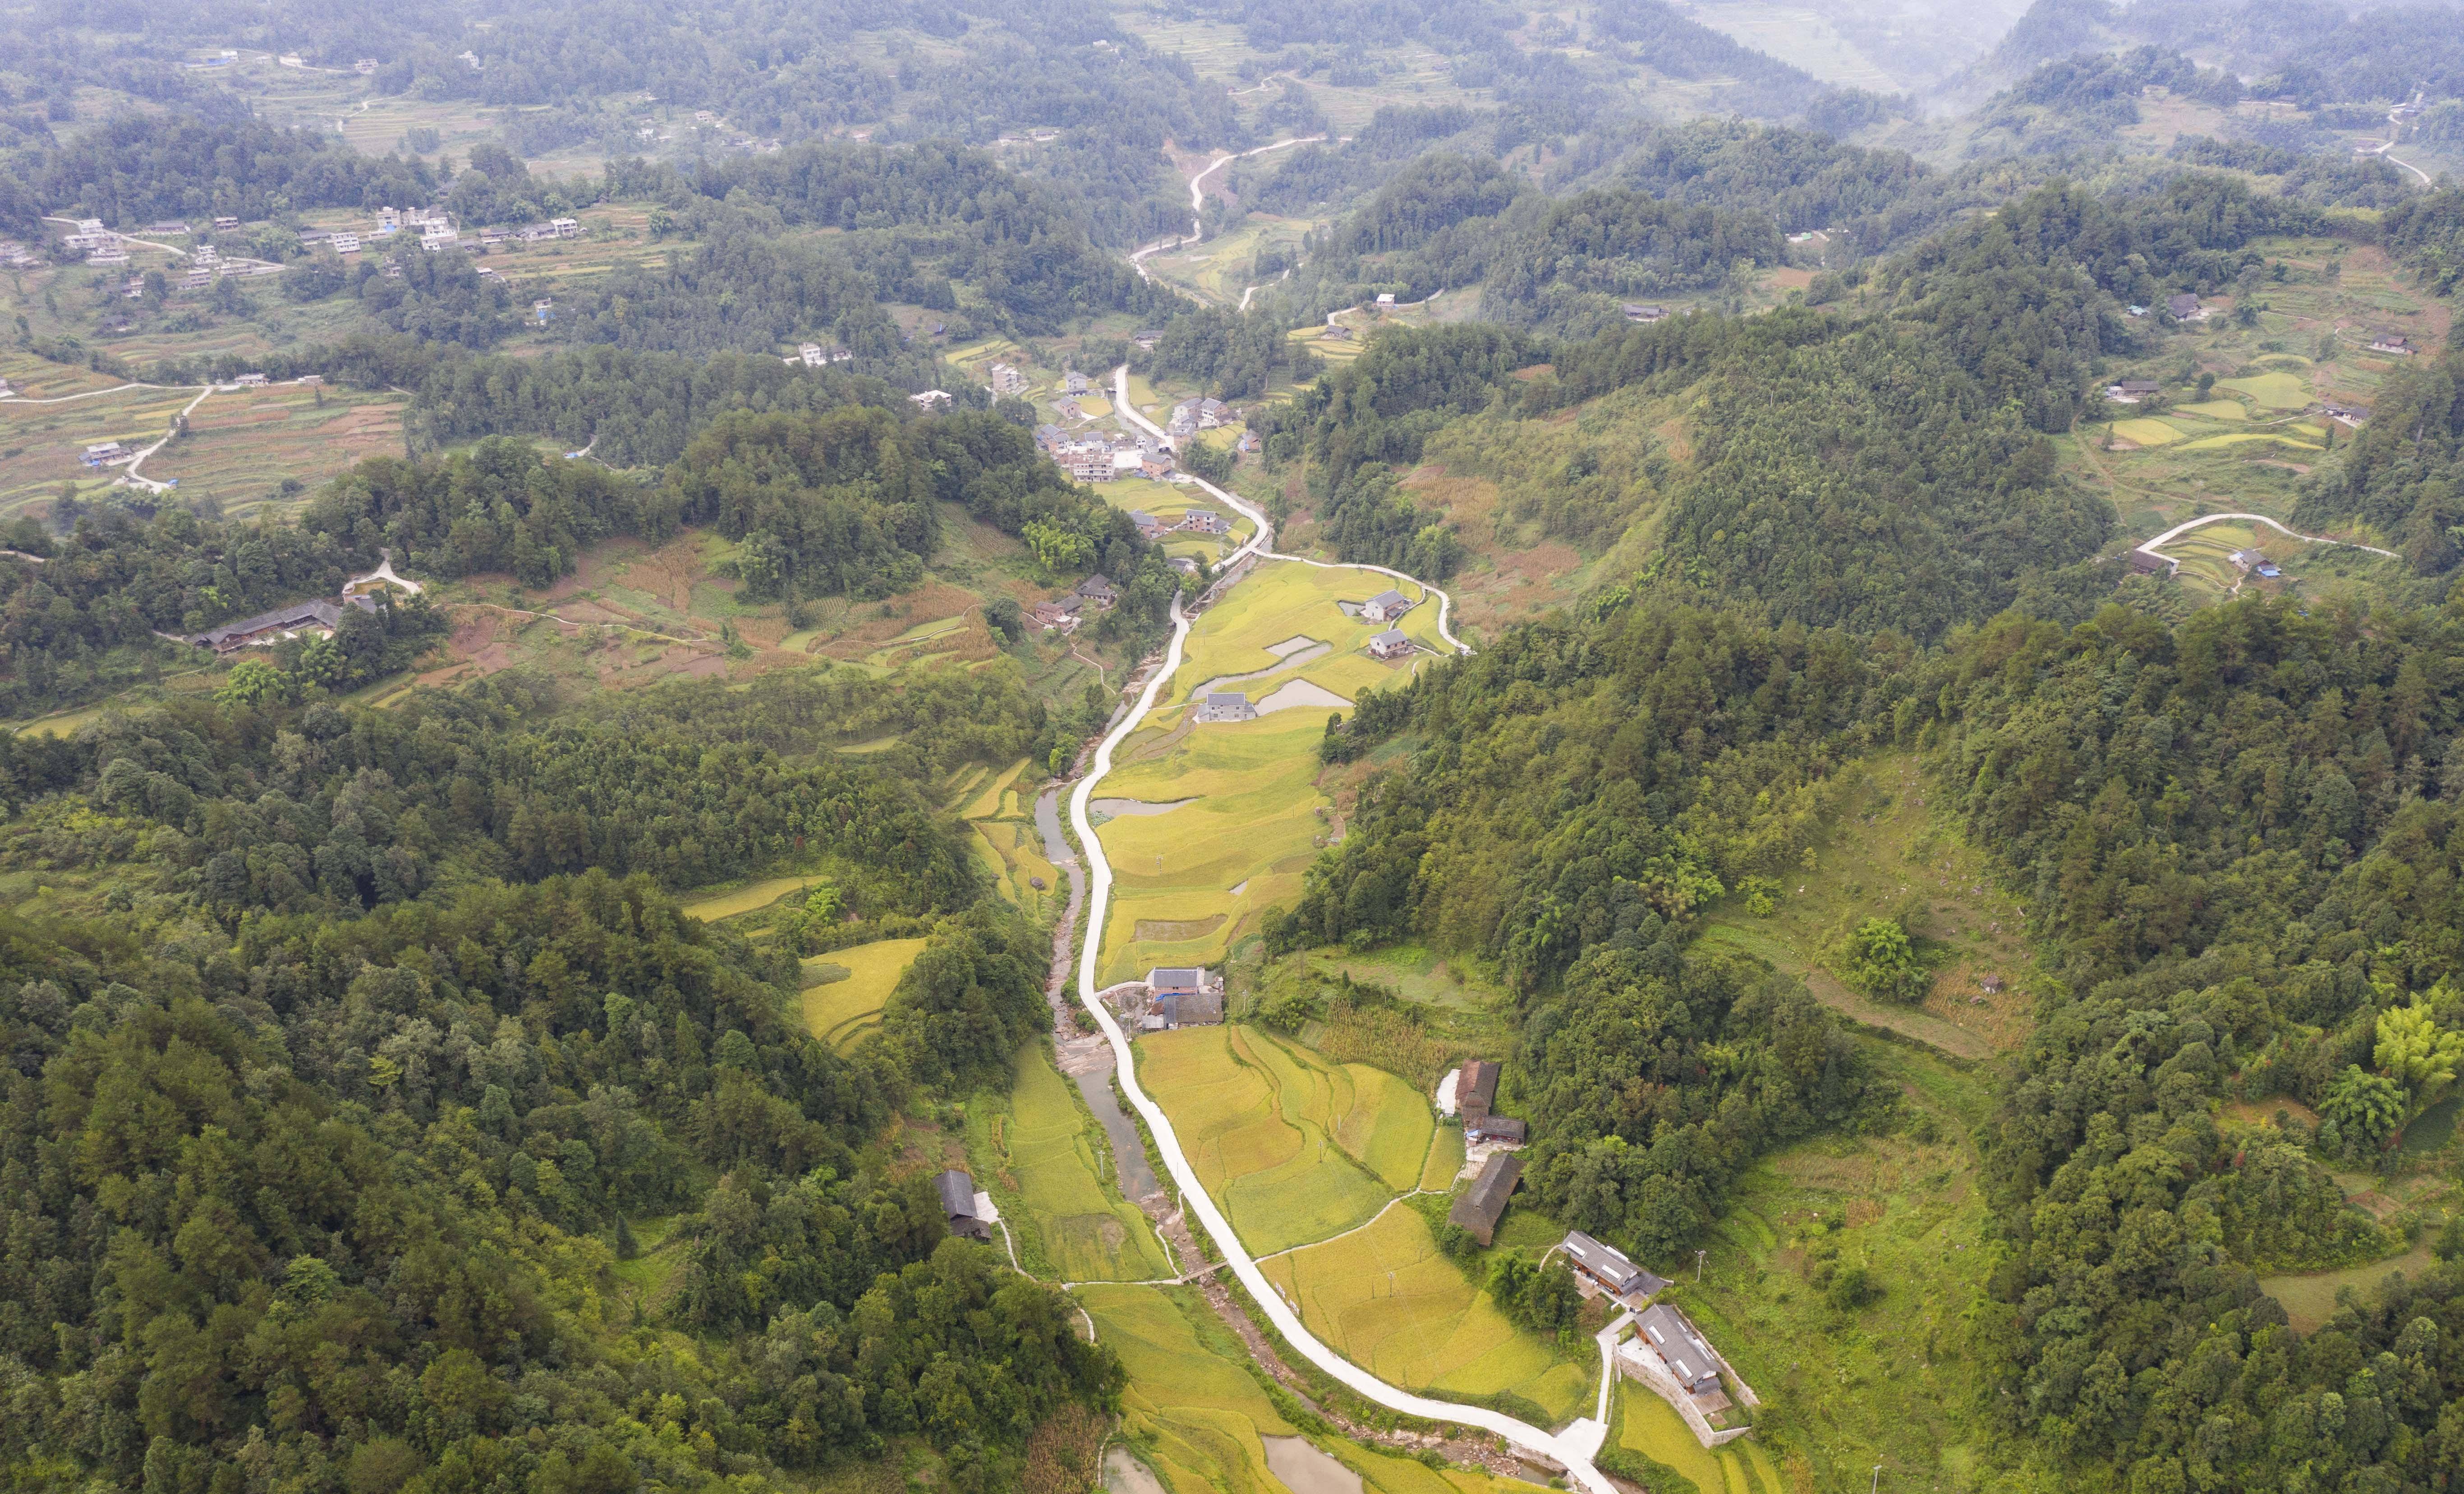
(842, 1012)
(1001, 812)
(2147, 430)
(1052, 1170)
(1252, 823)
(1193, 1413)
(748, 896)
(1652, 1427)
(2245, 437)
(2275, 391)
(1283, 600)
(1386, 1299)
(43, 446)
(241, 444)
(1260, 1138)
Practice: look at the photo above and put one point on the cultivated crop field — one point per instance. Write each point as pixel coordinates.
(42, 446)
(242, 443)
(1386, 1299)
(842, 1012)
(1247, 823)
(1282, 600)
(1047, 1162)
(1267, 1154)
(1193, 1413)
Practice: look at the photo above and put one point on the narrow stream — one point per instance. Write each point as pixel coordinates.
(1088, 1060)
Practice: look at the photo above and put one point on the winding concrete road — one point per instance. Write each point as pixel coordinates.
(1576, 1446)
(1266, 527)
(2178, 530)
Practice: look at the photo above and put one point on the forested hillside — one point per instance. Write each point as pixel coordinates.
(1919, 720)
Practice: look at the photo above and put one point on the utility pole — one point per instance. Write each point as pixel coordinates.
(1877, 1486)
(1698, 1265)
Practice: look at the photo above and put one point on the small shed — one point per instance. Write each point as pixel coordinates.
(957, 1190)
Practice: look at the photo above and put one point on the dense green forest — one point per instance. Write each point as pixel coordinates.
(369, 1163)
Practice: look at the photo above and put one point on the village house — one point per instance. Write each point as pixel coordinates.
(1183, 423)
(1636, 311)
(225, 224)
(2130, 391)
(1183, 996)
(1385, 300)
(167, 227)
(1481, 1205)
(311, 236)
(968, 1212)
(491, 237)
(107, 257)
(1149, 525)
(1048, 437)
(1007, 379)
(931, 399)
(2144, 562)
(1335, 332)
(1060, 616)
(1475, 1089)
(250, 381)
(1688, 1358)
(2185, 307)
(566, 228)
(1504, 1129)
(1098, 591)
(364, 66)
(1385, 606)
(1073, 382)
(1204, 521)
(104, 454)
(1211, 413)
(207, 255)
(347, 243)
(197, 280)
(1146, 338)
(1155, 464)
(1390, 644)
(1225, 706)
(268, 628)
(393, 270)
(2389, 343)
(1605, 1268)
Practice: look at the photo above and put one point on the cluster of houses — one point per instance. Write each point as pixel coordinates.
(1193, 415)
(532, 233)
(1100, 456)
(1667, 1353)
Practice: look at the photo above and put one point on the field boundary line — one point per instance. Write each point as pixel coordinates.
(1354, 1230)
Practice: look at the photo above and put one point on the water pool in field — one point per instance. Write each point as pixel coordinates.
(1307, 1469)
